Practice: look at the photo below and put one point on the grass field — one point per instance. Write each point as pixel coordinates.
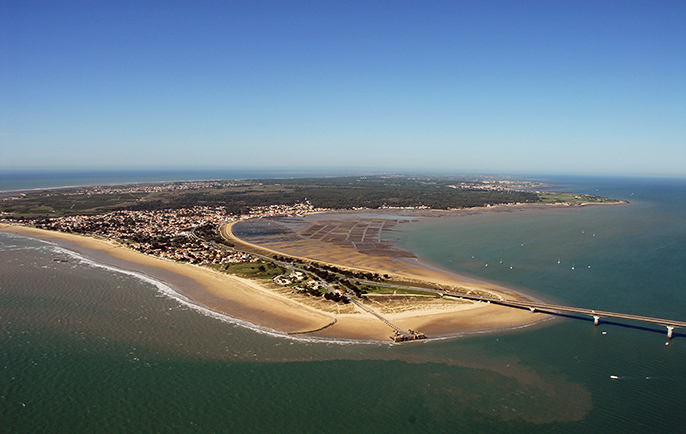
(251, 270)
(573, 198)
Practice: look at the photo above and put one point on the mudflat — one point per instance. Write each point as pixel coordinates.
(261, 304)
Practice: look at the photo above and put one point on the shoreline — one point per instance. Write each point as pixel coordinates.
(405, 269)
(457, 321)
(238, 298)
(247, 301)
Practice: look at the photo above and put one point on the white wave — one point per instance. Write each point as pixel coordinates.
(8, 239)
(168, 290)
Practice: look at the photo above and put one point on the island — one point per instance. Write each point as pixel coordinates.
(332, 277)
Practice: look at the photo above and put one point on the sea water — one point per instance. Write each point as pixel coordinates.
(35, 180)
(90, 349)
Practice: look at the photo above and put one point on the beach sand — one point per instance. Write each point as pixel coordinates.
(236, 297)
(403, 267)
(449, 318)
(255, 303)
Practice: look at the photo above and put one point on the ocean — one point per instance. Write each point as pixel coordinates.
(34, 180)
(87, 348)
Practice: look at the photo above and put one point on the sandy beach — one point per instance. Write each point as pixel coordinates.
(257, 304)
(239, 298)
(446, 318)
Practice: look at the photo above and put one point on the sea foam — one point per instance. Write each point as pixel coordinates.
(169, 291)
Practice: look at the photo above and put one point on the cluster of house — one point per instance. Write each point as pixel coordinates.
(283, 210)
(496, 185)
(151, 188)
(129, 224)
(166, 233)
(287, 279)
(195, 252)
(302, 281)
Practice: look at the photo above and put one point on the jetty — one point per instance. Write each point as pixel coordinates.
(399, 335)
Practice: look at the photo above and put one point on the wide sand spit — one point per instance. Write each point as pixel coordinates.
(291, 313)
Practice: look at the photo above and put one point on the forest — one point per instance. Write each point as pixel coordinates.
(237, 198)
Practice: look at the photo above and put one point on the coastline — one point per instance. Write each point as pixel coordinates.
(441, 322)
(236, 297)
(401, 267)
(248, 301)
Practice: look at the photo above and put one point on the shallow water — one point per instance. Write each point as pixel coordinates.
(85, 349)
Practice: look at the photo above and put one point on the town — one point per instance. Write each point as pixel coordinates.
(169, 233)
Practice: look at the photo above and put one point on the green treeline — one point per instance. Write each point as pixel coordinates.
(344, 193)
(334, 193)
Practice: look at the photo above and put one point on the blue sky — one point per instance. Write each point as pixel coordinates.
(553, 87)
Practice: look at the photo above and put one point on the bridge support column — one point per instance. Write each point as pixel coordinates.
(596, 319)
(670, 331)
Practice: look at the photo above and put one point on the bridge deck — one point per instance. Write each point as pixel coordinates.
(559, 308)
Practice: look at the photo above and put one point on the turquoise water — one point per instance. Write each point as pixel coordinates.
(628, 258)
(88, 349)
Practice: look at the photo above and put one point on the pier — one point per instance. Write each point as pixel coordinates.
(399, 335)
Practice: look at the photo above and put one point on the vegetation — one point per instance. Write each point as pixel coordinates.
(388, 290)
(336, 193)
(56, 203)
(252, 270)
(210, 232)
(235, 198)
(238, 197)
(573, 198)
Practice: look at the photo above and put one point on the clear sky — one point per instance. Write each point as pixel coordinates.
(553, 87)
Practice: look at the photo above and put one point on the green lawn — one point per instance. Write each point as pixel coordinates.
(573, 198)
(252, 270)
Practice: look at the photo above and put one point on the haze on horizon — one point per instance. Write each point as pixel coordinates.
(562, 87)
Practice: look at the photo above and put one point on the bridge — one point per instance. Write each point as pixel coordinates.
(542, 307)
(552, 308)
(531, 305)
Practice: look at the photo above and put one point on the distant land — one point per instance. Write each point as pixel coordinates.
(336, 193)
(329, 279)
